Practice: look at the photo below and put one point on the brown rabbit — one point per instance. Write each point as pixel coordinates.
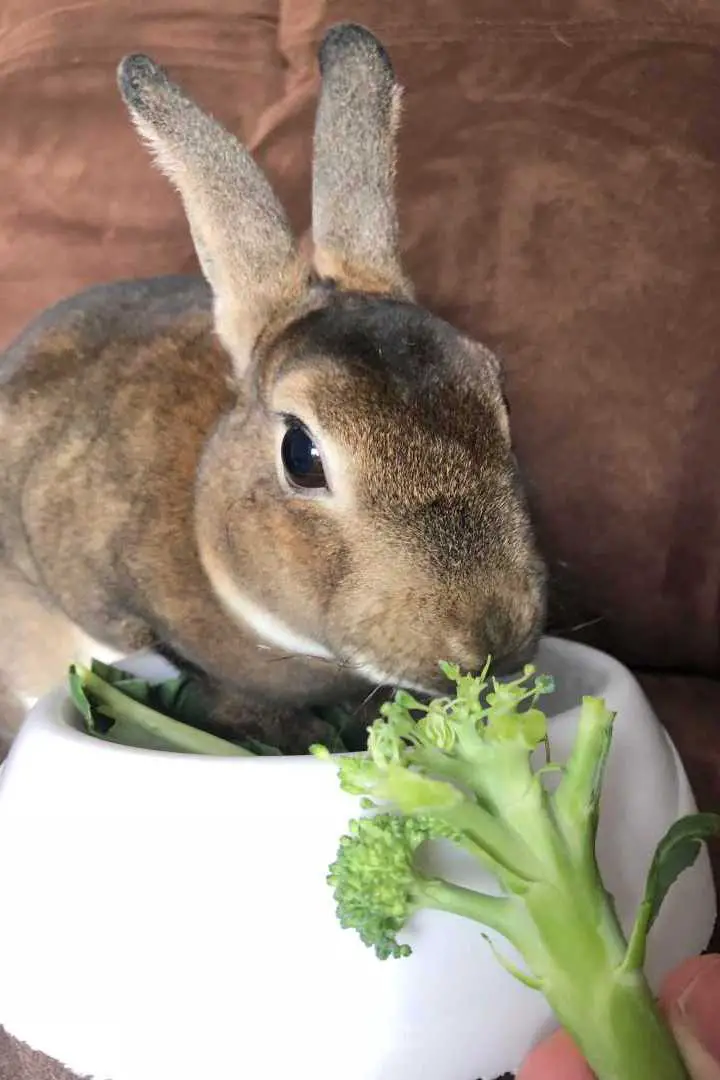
(295, 480)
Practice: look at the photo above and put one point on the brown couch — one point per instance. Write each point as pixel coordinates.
(560, 194)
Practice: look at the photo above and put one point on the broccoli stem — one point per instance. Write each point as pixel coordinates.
(572, 940)
(620, 1032)
(498, 913)
(567, 931)
(503, 849)
(577, 951)
(577, 798)
(637, 946)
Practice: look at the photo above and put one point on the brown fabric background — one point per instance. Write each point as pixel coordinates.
(81, 203)
(560, 199)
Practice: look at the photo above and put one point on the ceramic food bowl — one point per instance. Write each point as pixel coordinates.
(166, 917)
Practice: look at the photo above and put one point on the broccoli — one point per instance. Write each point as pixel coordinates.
(464, 770)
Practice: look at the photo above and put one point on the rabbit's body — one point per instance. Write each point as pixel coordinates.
(131, 382)
(98, 506)
(294, 479)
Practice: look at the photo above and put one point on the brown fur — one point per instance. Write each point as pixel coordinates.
(240, 232)
(142, 498)
(354, 165)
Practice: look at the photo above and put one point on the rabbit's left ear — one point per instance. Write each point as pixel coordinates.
(240, 232)
(354, 218)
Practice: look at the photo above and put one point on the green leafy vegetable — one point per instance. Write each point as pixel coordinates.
(676, 852)
(460, 770)
(116, 711)
(173, 715)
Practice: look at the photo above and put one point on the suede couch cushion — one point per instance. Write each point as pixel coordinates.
(81, 202)
(559, 187)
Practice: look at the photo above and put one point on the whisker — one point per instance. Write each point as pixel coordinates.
(579, 626)
(342, 663)
(368, 699)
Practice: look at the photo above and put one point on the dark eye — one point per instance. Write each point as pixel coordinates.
(301, 458)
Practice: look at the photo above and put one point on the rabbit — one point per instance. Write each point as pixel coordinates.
(284, 474)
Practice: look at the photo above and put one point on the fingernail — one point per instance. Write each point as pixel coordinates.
(696, 1014)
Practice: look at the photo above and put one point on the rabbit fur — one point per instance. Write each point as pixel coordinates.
(146, 428)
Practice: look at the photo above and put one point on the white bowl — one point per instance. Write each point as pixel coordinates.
(166, 917)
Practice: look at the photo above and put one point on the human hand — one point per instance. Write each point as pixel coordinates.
(690, 999)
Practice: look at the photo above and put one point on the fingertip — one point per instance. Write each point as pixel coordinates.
(704, 969)
(555, 1059)
(691, 1001)
(558, 1059)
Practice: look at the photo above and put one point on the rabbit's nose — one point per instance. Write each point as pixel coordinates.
(493, 634)
(498, 635)
(512, 664)
(514, 650)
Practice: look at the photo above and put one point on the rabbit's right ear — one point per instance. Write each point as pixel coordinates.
(240, 232)
(354, 220)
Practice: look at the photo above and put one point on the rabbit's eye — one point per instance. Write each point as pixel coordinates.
(301, 458)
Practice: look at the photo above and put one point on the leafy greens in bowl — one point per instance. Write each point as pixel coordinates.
(171, 715)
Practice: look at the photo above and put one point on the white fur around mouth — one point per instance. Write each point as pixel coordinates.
(268, 627)
(380, 677)
(273, 632)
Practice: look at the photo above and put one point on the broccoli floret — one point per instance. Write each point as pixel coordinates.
(377, 887)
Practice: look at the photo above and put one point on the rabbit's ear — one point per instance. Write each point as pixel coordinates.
(354, 219)
(240, 232)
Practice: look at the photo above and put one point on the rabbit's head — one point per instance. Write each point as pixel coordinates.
(361, 502)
